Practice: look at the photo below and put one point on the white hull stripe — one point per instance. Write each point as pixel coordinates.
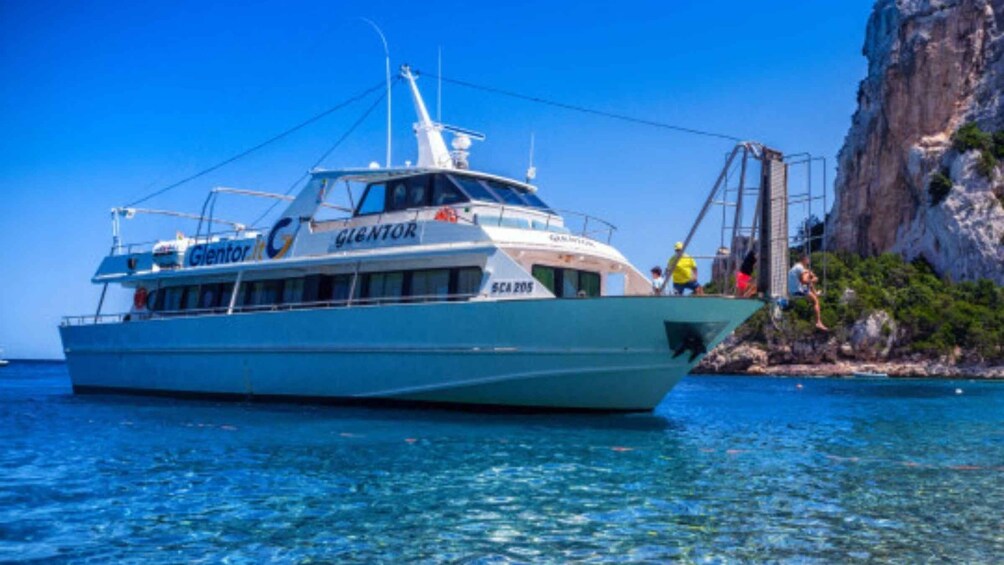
(198, 350)
(439, 387)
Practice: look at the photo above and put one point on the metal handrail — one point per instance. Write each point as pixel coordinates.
(271, 195)
(603, 231)
(548, 217)
(90, 319)
(502, 212)
(143, 246)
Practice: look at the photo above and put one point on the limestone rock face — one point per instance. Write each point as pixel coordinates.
(873, 336)
(933, 65)
(732, 357)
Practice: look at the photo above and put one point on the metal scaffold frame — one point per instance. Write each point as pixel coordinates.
(813, 199)
(752, 191)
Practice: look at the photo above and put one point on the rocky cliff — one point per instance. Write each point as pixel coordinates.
(933, 66)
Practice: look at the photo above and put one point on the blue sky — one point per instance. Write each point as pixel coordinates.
(102, 102)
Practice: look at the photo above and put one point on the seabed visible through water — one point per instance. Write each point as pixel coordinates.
(726, 468)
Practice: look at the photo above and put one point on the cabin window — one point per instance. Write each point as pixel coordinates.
(418, 191)
(445, 192)
(214, 295)
(155, 300)
(474, 189)
(589, 283)
(255, 289)
(292, 291)
(430, 284)
(190, 297)
(383, 287)
(536, 202)
(226, 291)
(616, 283)
(408, 193)
(495, 191)
(273, 292)
(316, 288)
(264, 293)
(468, 281)
(172, 298)
(242, 295)
(373, 201)
(372, 288)
(508, 193)
(424, 285)
(209, 296)
(544, 275)
(341, 285)
(567, 283)
(398, 197)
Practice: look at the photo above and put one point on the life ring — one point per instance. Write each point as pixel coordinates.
(446, 214)
(139, 299)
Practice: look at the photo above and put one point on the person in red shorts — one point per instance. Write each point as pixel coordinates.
(745, 287)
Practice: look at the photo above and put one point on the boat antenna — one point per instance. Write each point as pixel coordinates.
(531, 171)
(386, 53)
(439, 86)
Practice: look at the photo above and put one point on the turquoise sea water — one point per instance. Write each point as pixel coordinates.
(726, 469)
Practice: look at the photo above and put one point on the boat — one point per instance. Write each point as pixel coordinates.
(439, 285)
(3, 362)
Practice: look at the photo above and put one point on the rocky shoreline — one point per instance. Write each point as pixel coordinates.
(733, 358)
(892, 369)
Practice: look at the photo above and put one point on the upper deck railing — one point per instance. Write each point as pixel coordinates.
(144, 246)
(561, 221)
(499, 215)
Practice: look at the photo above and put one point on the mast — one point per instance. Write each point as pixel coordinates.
(386, 53)
(432, 151)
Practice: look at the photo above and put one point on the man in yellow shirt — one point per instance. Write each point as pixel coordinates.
(685, 272)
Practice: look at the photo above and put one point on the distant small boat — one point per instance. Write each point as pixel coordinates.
(871, 375)
(3, 362)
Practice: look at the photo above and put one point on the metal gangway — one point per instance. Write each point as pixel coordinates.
(754, 195)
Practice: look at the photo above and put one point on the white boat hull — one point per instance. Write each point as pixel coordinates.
(594, 354)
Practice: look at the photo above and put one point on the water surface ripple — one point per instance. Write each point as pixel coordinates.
(726, 469)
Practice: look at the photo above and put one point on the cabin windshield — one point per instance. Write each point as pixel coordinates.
(419, 191)
(536, 202)
(475, 189)
(507, 193)
(499, 192)
(440, 189)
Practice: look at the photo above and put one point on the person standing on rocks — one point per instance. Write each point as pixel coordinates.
(801, 283)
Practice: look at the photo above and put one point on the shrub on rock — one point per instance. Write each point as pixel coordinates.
(939, 187)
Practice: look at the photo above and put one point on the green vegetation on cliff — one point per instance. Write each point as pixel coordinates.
(932, 315)
(941, 185)
(990, 145)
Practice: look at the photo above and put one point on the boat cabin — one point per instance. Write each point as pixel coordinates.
(437, 231)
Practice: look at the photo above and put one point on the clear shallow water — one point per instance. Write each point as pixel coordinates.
(726, 469)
